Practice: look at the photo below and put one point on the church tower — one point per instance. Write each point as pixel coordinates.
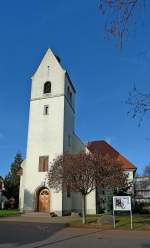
(50, 133)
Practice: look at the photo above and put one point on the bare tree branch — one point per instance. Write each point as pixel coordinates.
(139, 104)
(119, 14)
(84, 172)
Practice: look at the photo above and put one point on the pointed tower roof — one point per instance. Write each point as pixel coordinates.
(49, 53)
(56, 59)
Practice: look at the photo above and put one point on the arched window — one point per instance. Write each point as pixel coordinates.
(47, 87)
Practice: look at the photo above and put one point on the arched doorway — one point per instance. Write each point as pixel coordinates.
(43, 200)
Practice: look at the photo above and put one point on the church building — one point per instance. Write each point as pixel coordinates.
(51, 132)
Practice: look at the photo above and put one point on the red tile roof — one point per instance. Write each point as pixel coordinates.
(104, 148)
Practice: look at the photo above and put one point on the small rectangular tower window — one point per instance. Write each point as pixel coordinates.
(43, 163)
(46, 109)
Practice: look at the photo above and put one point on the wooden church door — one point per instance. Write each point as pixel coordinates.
(44, 200)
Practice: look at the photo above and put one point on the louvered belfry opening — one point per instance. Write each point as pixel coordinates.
(47, 87)
(43, 163)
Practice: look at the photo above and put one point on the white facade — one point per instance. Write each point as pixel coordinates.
(142, 189)
(50, 133)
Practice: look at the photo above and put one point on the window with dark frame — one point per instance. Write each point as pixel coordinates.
(46, 109)
(68, 192)
(47, 87)
(43, 163)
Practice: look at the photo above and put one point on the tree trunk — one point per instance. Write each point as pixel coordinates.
(83, 209)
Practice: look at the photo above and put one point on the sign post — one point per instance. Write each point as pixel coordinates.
(122, 203)
(131, 220)
(114, 219)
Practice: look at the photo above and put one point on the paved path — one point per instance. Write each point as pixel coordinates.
(42, 218)
(35, 234)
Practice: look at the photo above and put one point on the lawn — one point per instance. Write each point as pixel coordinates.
(11, 212)
(140, 222)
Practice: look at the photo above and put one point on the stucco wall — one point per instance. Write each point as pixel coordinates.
(45, 132)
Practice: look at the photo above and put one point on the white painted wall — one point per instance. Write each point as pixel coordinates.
(130, 174)
(48, 134)
(21, 189)
(91, 202)
(55, 74)
(45, 132)
(69, 119)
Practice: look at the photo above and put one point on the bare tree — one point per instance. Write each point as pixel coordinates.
(83, 173)
(139, 104)
(120, 15)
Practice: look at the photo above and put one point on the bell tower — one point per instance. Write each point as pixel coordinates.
(50, 130)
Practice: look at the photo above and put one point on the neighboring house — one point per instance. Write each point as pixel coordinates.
(142, 189)
(1, 186)
(51, 131)
(104, 196)
(3, 198)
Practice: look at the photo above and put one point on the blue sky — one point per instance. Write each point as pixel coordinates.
(102, 75)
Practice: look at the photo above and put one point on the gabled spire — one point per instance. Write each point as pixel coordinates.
(48, 59)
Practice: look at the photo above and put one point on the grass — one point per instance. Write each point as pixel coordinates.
(10, 212)
(90, 222)
(140, 222)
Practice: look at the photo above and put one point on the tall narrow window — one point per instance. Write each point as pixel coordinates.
(68, 192)
(43, 163)
(47, 87)
(46, 110)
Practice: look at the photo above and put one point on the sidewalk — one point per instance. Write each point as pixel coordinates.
(41, 218)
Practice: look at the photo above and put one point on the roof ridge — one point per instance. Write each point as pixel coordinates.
(104, 147)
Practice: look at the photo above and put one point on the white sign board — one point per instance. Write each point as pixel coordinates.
(121, 203)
